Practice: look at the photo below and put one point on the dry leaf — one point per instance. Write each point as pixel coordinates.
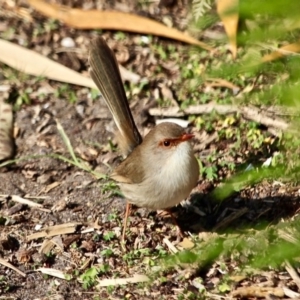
(57, 241)
(59, 205)
(54, 273)
(24, 256)
(186, 244)
(33, 63)
(257, 291)
(227, 10)
(128, 75)
(6, 131)
(285, 50)
(237, 278)
(115, 20)
(46, 246)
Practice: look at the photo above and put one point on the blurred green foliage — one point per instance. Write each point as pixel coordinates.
(264, 27)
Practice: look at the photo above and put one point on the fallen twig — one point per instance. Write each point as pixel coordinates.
(8, 265)
(171, 247)
(292, 273)
(21, 200)
(118, 281)
(291, 294)
(250, 113)
(54, 230)
(254, 114)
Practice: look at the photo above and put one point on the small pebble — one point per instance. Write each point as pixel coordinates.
(145, 39)
(38, 227)
(67, 42)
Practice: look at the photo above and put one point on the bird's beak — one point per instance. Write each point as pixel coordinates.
(186, 137)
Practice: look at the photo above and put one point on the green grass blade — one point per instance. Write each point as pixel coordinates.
(67, 142)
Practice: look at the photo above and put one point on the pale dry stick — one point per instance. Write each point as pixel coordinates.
(21, 200)
(282, 111)
(53, 272)
(136, 278)
(193, 110)
(291, 294)
(9, 265)
(287, 237)
(251, 113)
(256, 115)
(292, 273)
(171, 247)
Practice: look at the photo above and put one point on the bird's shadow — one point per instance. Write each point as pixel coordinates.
(237, 212)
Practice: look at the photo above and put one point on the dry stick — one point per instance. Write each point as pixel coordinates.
(226, 221)
(21, 200)
(118, 281)
(251, 113)
(282, 111)
(256, 115)
(289, 237)
(193, 109)
(289, 293)
(9, 265)
(171, 247)
(292, 273)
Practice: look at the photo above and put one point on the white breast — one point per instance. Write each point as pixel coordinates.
(170, 183)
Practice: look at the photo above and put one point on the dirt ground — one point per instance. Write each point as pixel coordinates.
(68, 194)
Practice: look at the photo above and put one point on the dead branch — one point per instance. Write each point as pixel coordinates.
(250, 113)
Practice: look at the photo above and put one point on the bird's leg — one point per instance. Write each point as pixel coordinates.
(125, 221)
(169, 212)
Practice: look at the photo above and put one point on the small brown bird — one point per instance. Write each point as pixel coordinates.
(159, 171)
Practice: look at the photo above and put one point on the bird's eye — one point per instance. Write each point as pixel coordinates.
(167, 143)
